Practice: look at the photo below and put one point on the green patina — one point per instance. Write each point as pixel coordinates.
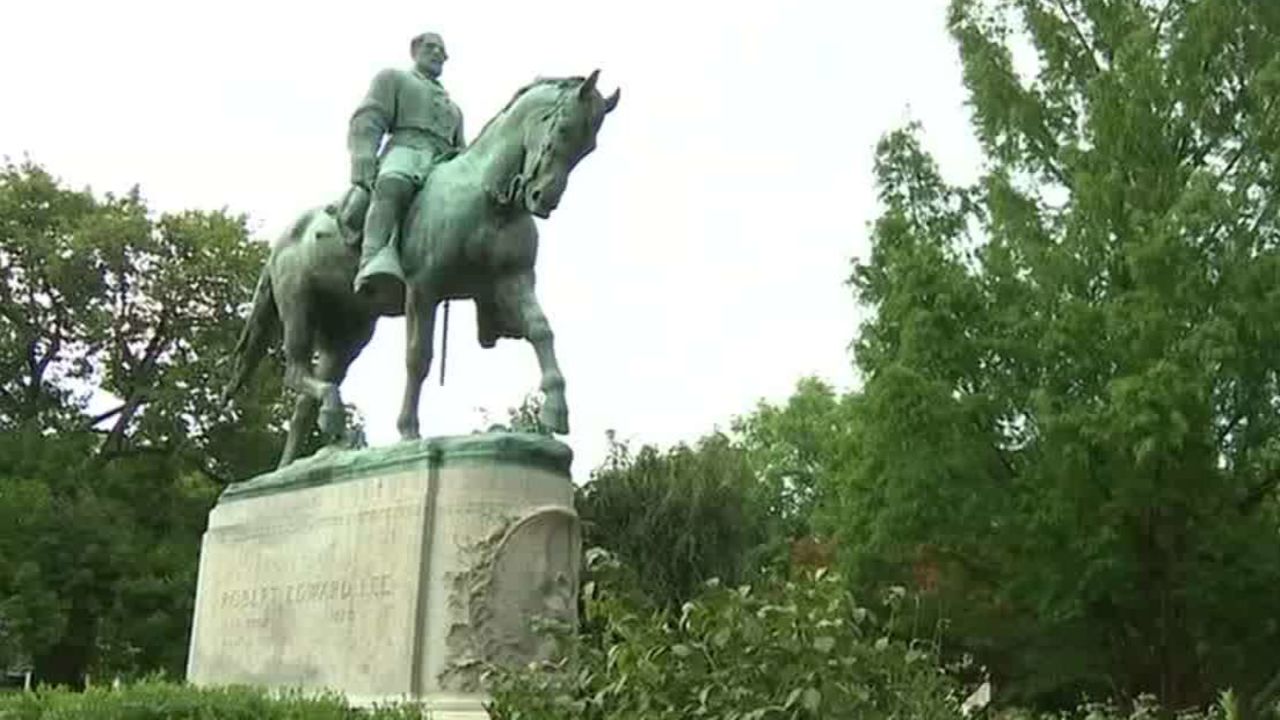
(426, 218)
(332, 465)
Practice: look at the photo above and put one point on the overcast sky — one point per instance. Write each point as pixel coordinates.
(697, 261)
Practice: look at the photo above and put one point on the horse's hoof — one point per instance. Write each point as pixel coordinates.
(555, 417)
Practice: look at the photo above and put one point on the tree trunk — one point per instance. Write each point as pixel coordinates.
(66, 662)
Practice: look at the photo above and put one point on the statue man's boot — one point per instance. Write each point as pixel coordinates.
(380, 278)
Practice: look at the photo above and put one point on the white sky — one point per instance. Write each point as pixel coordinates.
(697, 261)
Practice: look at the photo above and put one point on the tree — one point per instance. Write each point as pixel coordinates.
(523, 418)
(1072, 366)
(793, 447)
(99, 300)
(679, 517)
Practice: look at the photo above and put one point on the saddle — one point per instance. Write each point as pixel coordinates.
(349, 210)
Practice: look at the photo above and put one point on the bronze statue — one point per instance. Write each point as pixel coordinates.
(423, 127)
(467, 232)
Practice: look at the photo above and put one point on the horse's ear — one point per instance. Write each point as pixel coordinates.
(611, 102)
(589, 85)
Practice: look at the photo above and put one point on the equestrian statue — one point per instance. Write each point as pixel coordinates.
(425, 220)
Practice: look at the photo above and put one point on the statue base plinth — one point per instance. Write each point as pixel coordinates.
(389, 573)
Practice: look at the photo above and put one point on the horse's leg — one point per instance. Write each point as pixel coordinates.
(555, 410)
(332, 369)
(420, 323)
(304, 416)
(297, 348)
(299, 343)
(336, 355)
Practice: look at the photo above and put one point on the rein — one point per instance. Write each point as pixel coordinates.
(507, 197)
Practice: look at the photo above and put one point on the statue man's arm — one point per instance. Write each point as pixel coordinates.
(459, 140)
(369, 123)
(456, 144)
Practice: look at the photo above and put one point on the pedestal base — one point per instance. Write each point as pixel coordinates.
(389, 573)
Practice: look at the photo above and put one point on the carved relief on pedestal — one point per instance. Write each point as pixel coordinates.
(525, 574)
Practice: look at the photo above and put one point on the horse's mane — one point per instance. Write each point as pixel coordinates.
(563, 83)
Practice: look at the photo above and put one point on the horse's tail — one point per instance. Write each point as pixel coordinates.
(258, 331)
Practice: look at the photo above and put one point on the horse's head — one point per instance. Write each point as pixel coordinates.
(556, 140)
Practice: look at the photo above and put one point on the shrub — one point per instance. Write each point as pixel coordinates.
(699, 504)
(155, 700)
(801, 649)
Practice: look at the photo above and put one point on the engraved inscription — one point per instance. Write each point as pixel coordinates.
(390, 516)
(302, 593)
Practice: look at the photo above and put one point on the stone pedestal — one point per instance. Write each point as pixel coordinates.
(389, 573)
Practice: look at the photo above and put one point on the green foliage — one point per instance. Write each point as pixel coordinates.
(799, 649)
(793, 447)
(525, 418)
(1067, 430)
(154, 700)
(101, 512)
(98, 297)
(679, 517)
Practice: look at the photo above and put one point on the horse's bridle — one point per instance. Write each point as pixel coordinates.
(531, 163)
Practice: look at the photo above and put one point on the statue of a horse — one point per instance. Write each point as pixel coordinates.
(468, 234)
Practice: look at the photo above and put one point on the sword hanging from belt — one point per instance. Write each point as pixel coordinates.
(444, 342)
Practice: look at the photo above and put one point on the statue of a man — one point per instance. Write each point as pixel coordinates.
(425, 127)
